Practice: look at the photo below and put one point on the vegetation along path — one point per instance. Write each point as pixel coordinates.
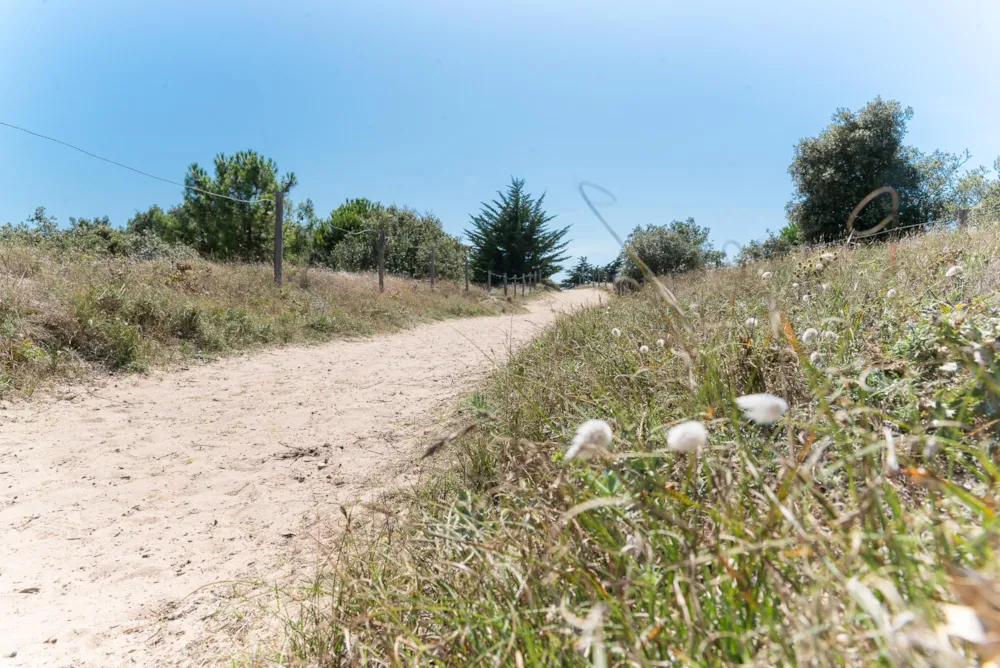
(120, 501)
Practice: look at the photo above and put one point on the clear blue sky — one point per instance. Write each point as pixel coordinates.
(679, 110)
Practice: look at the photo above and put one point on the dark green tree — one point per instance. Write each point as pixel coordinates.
(582, 273)
(348, 219)
(856, 154)
(223, 228)
(511, 235)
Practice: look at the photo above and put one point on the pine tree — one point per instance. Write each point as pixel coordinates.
(511, 235)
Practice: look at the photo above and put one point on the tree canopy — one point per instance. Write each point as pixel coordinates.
(856, 154)
(223, 228)
(681, 246)
(511, 236)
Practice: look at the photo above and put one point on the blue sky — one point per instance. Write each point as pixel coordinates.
(680, 110)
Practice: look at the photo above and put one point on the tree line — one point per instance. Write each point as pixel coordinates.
(227, 213)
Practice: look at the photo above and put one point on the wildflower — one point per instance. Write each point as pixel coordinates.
(809, 335)
(949, 367)
(953, 271)
(687, 437)
(828, 256)
(816, 358)
(643, 349)
(766, 274)
(616, 333)
(762, 408)
(592, 437)
(830, 336)
(891, 293)
(752, 322)
(661, 342)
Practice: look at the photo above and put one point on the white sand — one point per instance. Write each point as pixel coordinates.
(118, 503)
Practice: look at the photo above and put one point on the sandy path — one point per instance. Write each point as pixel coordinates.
(118, 503)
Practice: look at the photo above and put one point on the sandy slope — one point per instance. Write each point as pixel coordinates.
(118, 503)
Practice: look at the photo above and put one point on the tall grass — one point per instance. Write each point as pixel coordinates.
(808, 541)
(66, 313)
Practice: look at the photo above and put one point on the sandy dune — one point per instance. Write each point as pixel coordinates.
(118, 501)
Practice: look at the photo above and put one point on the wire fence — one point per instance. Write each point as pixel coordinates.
(527, 281)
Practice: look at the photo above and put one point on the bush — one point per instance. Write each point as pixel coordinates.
(409, 239)
(669, 249)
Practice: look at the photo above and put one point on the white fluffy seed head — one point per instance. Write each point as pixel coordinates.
(762, 408)
(809, 335)
(816, 358)
(827, 256)
(752, 322)
(661, 342)
(616, 333)
(805, 298)
(824, 287)
(953, 271)
(592, 437)
(766, 274)
(643, 349)
(830, 336)
(687, 437)
(819, 266)
(891, 293)
(795, 285)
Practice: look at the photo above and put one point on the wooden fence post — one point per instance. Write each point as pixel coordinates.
(489, 281)
(522, 284)
(279, 233)
(381, 260)
(505, 284)
(432, 269)
(963, 216)
(466, 271)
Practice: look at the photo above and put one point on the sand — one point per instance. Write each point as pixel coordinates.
(121, 500)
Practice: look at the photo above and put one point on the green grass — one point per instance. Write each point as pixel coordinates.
(775, 545)
(68, 313)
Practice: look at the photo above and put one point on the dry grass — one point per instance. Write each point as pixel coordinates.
(797, 543)
(67, 313)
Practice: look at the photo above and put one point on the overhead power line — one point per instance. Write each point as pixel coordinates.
(133, 169)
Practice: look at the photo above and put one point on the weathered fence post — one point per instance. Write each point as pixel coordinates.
(432, 269)
(466, 271)
(279, 232)
(963, 216)
(489, 281)
(523, 281)
(381, 260)
(505, 284)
